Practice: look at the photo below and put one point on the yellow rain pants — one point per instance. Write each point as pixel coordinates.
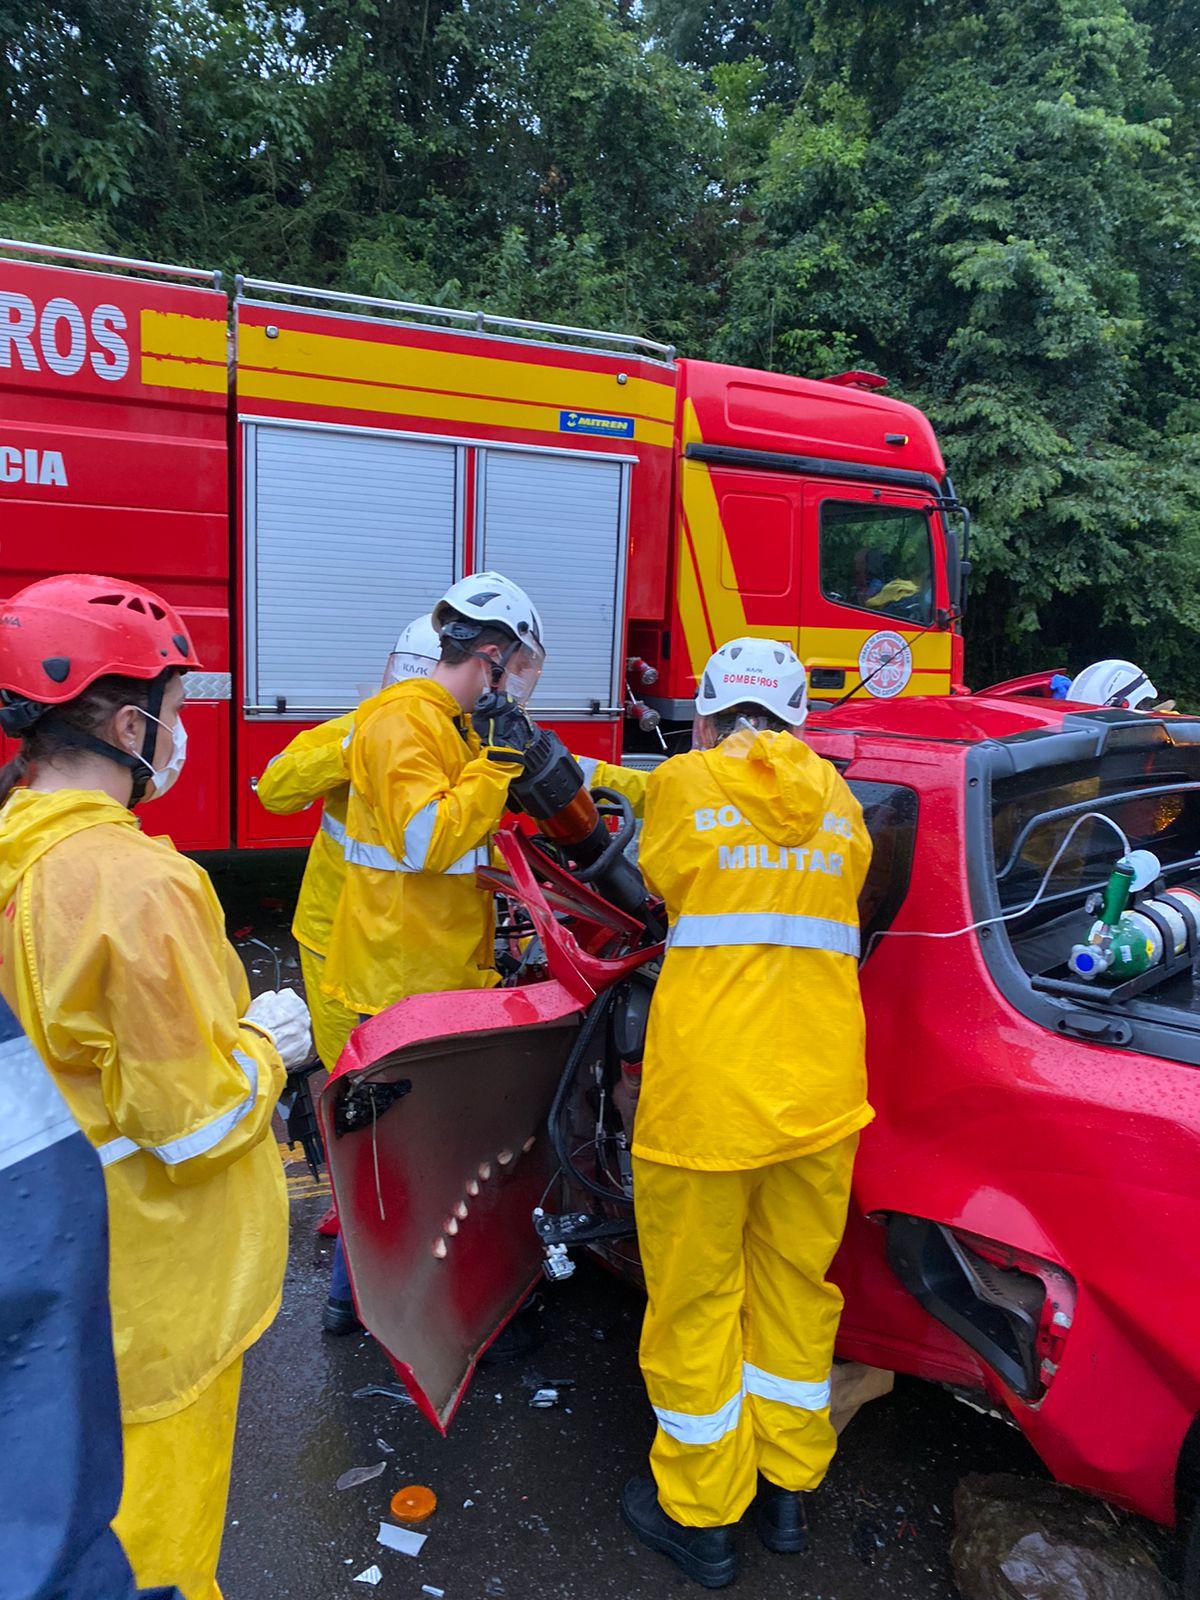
(737, 1345)
(315, 766)
(172, 1513)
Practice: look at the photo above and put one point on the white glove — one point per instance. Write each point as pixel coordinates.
(282, 1014)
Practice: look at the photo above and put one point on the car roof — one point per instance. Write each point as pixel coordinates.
(941, 720)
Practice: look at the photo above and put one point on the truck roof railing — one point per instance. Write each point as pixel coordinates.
(480, 321)
(93, 258)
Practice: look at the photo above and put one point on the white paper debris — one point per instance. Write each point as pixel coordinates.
(388, 1449)
(403, 1539)
(371, 1575)
(357, 1475)
(467, 1503)
(438, 1594)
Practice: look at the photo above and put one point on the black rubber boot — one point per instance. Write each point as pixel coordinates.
(519, 1338)
(782, 1518)
(706, 1555)
(339, 1318)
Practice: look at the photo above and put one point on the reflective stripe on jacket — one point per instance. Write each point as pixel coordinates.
(114, 957)
(755, 1049)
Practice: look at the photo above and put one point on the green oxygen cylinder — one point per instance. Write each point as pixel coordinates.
(1098, 954)
(1116, 894)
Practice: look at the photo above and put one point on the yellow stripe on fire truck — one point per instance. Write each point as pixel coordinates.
(376, 375)
(180, 352)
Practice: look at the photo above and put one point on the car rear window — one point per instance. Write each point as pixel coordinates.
(1152, 795)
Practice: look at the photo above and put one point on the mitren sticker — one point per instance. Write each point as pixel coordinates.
(595, 422)
(885, 664)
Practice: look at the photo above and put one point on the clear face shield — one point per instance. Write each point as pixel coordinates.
(405, 664)
(523, 664)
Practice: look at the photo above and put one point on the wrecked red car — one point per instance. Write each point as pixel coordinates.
(1027, 1201)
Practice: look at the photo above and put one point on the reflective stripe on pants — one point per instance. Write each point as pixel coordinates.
(737, 1344)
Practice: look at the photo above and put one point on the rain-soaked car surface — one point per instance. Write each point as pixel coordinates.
(1026, 1201)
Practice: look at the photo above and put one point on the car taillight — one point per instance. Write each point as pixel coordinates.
(1058, 1308)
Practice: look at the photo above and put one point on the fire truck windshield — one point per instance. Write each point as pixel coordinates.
(877, 558)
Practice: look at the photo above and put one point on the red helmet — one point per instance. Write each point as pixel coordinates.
(59, 635)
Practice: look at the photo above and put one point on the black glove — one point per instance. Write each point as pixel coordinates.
(503, 728)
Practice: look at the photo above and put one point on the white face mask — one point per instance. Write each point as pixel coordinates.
(162, 778)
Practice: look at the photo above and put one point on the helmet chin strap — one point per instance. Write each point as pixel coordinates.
(498, 665)
(140, 765)
(143, 770)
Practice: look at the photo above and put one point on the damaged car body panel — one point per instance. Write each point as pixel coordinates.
(1026, 1201)
(436, 1186)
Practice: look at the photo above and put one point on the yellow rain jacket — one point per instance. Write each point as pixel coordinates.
(316, 766)
(114, 957)
(755, 1048)
(424, 802)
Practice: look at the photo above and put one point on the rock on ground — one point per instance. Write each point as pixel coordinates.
(1020, 1540)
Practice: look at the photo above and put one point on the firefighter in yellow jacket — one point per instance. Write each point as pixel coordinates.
(429, 786)
(114, 957)
(753, 1095)
(316, 766)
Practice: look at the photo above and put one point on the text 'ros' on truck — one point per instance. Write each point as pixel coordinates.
(301, 471)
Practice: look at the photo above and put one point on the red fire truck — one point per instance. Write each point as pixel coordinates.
(303, 471)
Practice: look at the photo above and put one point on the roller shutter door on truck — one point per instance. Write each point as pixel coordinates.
(349, 535)
(556, 525)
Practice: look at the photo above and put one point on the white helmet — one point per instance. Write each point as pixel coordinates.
(488, 599)
(759, 672)
(416, 654)
(1112, 683)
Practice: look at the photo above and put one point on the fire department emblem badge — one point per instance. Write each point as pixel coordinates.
(885, 664)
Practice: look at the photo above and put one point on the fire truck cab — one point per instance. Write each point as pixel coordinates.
(303, 471)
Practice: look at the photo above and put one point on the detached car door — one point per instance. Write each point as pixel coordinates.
(435, 1132)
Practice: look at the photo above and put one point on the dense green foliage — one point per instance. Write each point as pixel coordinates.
(992, 201)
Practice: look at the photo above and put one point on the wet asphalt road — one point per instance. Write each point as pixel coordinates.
(527, 1499)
